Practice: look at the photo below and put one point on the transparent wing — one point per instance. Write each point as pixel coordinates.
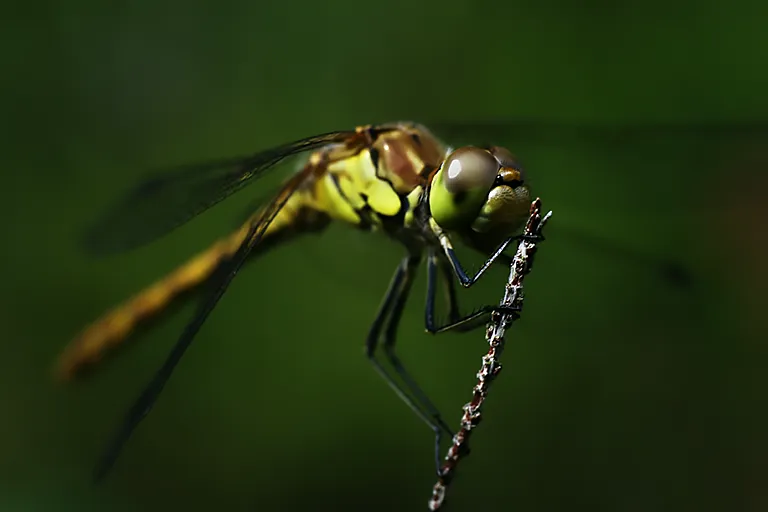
(162, 203)
(216, 287)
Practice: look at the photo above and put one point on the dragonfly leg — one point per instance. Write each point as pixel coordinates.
(450, 289)
(456, 321)
(387, 320)
(458, 270)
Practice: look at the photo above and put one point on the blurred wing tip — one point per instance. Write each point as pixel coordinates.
(101, 470)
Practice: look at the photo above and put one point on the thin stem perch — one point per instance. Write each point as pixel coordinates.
(510, 307)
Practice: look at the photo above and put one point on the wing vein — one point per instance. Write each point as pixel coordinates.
(162, 203)
(146, 400)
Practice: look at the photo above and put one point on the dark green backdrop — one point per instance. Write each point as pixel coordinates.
(619, 393)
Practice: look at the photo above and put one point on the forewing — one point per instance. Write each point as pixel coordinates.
(162, 203)
(217, 286)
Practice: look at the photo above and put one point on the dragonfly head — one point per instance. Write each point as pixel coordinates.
(481, 192)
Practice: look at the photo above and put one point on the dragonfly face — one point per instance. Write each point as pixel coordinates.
(480, 192)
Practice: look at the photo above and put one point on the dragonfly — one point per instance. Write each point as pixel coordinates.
(397, 179)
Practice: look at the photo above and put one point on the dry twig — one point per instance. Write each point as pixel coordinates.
(510, 307)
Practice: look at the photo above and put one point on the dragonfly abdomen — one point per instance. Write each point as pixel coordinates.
(116, 326)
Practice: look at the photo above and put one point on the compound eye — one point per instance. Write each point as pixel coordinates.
(507, 160)
(470, 168)
(504, 156)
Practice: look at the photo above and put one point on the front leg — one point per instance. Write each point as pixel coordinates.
(456, 321)
(456, 266)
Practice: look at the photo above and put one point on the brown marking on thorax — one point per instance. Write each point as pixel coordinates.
(378, 167)
(406, 155)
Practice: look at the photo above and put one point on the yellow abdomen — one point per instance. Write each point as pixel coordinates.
(116, 325)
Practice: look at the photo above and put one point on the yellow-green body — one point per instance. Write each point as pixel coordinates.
(373, 185)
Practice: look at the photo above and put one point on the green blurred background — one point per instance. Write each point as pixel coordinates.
(619, 392)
